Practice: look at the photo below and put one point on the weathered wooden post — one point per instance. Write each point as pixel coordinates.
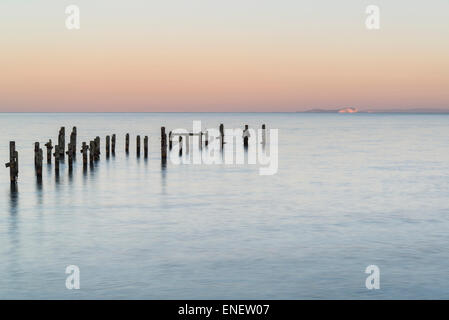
(57, 154)
(83, 150)
(39, 158)
(61, 142)
(113, 144)
(73, 142)
(245, 136)
(107, 146)
(206, 139)
(145, 146)
(264, 136)
(200, 137)
(69, 153)
(97, 148)
(222, 135)
(91, 151)
(170, 142)
(36, 153)
(163, 145)
(127, 143)
(188, 142)
(138, 145)
(13, 163)
(180, 146)
(49, 147)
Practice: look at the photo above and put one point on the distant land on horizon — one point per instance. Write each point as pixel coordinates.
(355, 110)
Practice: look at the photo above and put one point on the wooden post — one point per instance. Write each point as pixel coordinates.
(206, 139)
(36, 153)
(83, 150)
(97, 148)
(107, 146)
(264, 136)
(61, 142)
(49, 147)
(91, 151)
(69, 153)
(170, 142)
(245, 136)
(13, 163)
(73, 142)
(163, 145)
(138, 145)
(127, 143)
(56, 154)
(39, 159)
(222, 135)
(180, 146)
(113, 144)
(145, 146)
(200, 137)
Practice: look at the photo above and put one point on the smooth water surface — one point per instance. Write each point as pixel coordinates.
(351, 191)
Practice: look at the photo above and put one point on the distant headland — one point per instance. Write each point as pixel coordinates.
(355, 110)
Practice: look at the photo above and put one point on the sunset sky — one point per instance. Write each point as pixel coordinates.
(223, 55)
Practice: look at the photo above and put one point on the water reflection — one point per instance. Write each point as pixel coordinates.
(13, 199)
(39, 193)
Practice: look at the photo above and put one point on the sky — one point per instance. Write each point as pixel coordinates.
(223, 56)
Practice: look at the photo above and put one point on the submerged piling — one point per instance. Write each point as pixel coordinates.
(222, 135)
(84, 150)
(73, 142)
(170, 142)
(39, 158)
(91, 151)
(57, 154)
(61, 142)
(113, 144)
(97, 148)
(245, 136)
(69, 153)
(180, 145)
(138, 145)
(127, 143)
(145, 146)
(49, 147)
(13, 163)
(163, 145)
(264, 135)
(107, 146)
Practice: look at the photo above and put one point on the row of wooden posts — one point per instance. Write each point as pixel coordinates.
(94, 149)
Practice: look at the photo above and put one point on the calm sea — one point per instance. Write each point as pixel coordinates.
(351, 191)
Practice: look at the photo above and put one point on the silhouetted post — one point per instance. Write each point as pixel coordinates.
(138, 145)
(36, 153)
(127, 143)
(264, 136)
(113, 144)
(180, 146)
(170, 142)
(56, 154)
(73, 142)
(61, 142)
(206, 139)
(222, 135)
(69, 153)
(200, 137)
(107, 146)
(163, 145)
(49, 147)
(83, 150)
(245, 136)
(91, 151)
(39, 158)
(97, 148)
(13, 163)
(145, 146)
